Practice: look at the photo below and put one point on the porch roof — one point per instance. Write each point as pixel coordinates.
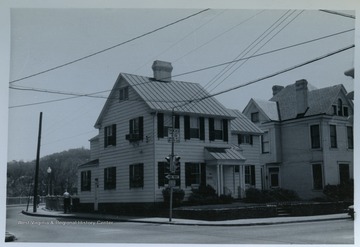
(91, 163)
(223, 156)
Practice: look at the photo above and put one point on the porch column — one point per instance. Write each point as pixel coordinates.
(218, 179)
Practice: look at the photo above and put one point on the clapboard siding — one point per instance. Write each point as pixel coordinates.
(125, 153)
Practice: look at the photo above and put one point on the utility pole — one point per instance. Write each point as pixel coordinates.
(171, 162)
(37, 166)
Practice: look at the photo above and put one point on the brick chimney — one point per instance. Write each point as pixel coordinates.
(301, 96)
(162, 70)
(276, 89)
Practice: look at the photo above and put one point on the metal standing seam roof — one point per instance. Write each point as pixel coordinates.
(164, 96)
(242, 124)
(224, 153)
(91, 163)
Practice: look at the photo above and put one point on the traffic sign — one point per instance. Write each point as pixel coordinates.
(172, 177)
(176, 135)
(172, 183)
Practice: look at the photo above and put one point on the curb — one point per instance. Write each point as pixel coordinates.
(184, 223)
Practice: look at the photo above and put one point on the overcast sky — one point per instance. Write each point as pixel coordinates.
(43, 38)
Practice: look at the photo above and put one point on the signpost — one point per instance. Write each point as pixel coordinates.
(172, 177)
(173, 136)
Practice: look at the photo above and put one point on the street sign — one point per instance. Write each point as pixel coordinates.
(172, 183)
(176, 135)
(172, 177)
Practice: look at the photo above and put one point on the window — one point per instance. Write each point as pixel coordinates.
(110, 135)
(274, 177)
(218, 129)
(350, 137)
(250, 175)
(265, 143)
(255, 117)
(124, 93)
(344, 173)
(317, 177)
(86, 180)
(136, 129)
(164, 170)
(136, 175)
(195, 174)
(237, 169)
(340, 107)
(194, 127)
(245, 139)
(315, 136)
(346, 111)
(109, 178)
(333, 141)
(164, 123)
(334, 107)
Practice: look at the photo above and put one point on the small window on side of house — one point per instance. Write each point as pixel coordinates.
(124, 93)
(255, 117)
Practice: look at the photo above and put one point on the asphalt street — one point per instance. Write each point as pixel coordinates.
(62, 230)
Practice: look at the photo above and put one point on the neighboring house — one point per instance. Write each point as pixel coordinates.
(308, 137)
(128, 166)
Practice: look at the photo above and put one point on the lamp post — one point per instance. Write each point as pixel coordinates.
(49, 180)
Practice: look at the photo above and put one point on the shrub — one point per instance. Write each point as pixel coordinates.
(340, 192)
(273, 195)
(203, 195)
(178, 196)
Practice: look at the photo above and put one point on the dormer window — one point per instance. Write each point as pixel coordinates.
(124, 93)
(340, 107)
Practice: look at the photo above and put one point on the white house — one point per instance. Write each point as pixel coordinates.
(308, 137)
(128, 167)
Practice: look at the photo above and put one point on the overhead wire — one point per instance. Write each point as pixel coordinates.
(109, 48)
(244, 61)
(77, 95)
(251, 46)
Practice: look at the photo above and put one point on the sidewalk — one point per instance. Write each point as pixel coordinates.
(43, 212)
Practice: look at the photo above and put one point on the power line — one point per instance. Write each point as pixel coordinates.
(109, 48)
(256, 42)
(280, 72)
(260, 54)
(76, 95)
(337, 13)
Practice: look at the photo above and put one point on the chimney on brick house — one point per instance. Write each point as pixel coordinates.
(276, 89)
(162, 70)
(301, 96)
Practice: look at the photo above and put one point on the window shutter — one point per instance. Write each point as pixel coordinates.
(160, 125)
(105, 178)
(225, 129)
(253, 182)
(105, 137)
(113, 135)
(142, 174)
(239, 139)
(161, 174)
(130, 127)
(131, 176)
(177, 122)
(141, 128)
(211, 129)
(203, 174)
(202, 128)
(187, 127)
(251, 139)
(187, 174)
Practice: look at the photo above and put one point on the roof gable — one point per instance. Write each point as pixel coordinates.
(267, 108)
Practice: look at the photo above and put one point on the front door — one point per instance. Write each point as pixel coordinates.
(274, 179)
